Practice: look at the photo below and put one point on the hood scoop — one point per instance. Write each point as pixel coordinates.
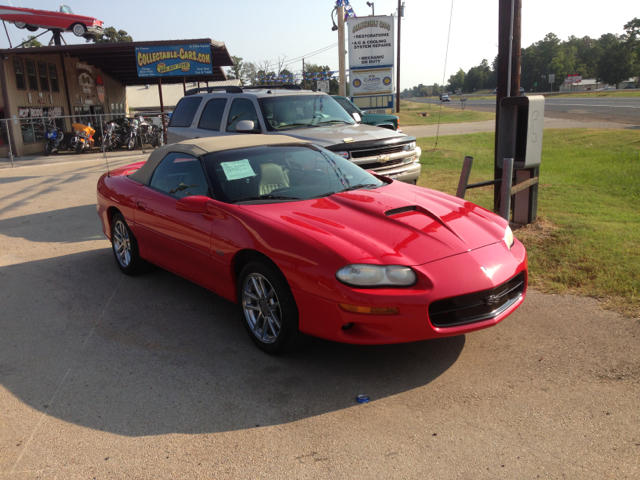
(396, 211)
(423, 211)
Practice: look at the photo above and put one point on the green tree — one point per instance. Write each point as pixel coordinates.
(616, 64)
(457, 81)
(32, 41)
(235, 72)
(111, 35)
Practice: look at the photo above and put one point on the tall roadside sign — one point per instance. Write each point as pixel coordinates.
(371, 63)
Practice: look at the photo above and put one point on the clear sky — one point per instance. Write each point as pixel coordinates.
(258, 30)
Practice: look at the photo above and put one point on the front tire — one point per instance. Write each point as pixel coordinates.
(79, 30)
(125, 246)
(269, 309)
(20, 25)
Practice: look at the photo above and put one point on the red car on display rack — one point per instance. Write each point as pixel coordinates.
(310, 244)
(65, 19)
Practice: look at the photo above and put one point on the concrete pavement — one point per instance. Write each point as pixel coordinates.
(107, 376)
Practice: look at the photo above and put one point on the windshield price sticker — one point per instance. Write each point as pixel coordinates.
(238, 169)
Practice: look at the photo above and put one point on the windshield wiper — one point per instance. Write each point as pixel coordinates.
(359, 186)
(335, 121)
(267, 196)
(295, 125)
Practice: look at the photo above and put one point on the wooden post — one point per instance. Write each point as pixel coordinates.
(304, 79)
(398, 62)
(464, 177)
(341, 67)
(505, 45)
(505, 188)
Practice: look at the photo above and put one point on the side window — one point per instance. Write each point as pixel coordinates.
(53, 75)
(212, 114)
(20, 80)
(185, 111)
(180, 175)
(31, 74)
(42, 72)
(242, 109)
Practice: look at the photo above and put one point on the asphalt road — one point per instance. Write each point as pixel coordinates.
(107, 376)
(624, 110)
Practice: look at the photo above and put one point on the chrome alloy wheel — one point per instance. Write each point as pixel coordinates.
(261, 308)
(121, 243)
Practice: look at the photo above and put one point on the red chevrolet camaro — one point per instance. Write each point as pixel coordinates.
(65, 19)
(309, 244)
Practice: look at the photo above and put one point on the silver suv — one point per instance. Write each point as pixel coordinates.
(304, 114)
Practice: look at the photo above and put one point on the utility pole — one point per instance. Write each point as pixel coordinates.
(341, 68)
(509, 33)
(398, 66)
(304, 79)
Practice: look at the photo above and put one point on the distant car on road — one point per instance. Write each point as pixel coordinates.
(65, 19)
(445, 98)
(376, 119)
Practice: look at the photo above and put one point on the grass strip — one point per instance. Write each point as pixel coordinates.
(416, 113)
(587, 238)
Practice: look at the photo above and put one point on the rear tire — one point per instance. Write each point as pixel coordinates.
(269, 310)
(20, 25)
(47, 149)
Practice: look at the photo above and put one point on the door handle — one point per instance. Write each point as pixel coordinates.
(141, 206)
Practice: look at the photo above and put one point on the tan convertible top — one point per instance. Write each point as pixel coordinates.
(201, 146)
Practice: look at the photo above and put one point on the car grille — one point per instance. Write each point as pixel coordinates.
(379, 165)
(374, 152)
(478, 306)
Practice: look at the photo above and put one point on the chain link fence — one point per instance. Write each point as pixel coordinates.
(38, 137)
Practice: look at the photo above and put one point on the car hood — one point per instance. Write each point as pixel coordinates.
(334, 135)
(395, 224)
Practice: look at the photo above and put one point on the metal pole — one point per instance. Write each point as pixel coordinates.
(184, 85)
(341, 67)
(398, 61)
(464, 177)
(164, 125)
(505, 188)
(304, 79)
(510, 50)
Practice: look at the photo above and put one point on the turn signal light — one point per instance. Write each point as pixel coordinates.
(369, 310)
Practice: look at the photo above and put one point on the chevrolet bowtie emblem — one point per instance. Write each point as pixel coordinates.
(383, 158)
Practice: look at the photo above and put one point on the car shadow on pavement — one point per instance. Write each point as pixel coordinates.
(156, 354)
(67, 225)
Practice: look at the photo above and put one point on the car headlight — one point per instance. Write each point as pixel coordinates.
(343, 154)
(363, 275)
(410, 146)
(508, 237)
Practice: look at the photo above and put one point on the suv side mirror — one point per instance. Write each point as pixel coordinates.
(246, 126)
(357, 117)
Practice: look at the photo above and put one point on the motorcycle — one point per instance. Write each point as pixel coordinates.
(53, 136)
(109, 137)
(132, 133)
(155, 135)
(82, 139)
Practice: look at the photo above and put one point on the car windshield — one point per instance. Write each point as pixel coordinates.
(287, 112)
(283, 173)
(65, 9)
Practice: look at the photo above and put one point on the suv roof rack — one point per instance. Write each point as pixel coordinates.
(227, 89)
(270, 87)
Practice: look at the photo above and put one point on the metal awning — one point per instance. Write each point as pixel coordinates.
(118, 60)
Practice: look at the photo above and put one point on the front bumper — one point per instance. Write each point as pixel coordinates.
(408, 170)
(442, 279)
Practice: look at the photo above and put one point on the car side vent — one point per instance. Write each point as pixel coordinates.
(396, 211)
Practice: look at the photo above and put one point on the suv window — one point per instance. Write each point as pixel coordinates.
(180, 175)
(212, 114)
(242, 109)
(185, 111)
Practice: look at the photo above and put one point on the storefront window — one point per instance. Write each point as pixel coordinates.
(33, 122)
(53, 76)
(42, 73)
(31, 74)
(20, 80)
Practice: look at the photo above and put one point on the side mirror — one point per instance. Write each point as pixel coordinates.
(193, 204)
(246, 126)
(357, 117)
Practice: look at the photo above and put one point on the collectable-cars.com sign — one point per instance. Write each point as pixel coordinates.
(174, 60)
